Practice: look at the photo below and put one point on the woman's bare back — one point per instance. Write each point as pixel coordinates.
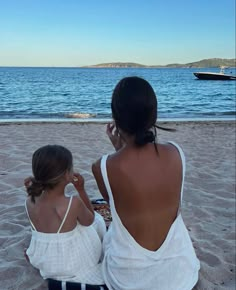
(146, 187)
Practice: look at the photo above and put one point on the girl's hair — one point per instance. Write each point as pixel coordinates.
(134, 109)
(49, 164)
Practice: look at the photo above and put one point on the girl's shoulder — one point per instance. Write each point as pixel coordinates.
(68, 211)
(66, 205)
(73, 201)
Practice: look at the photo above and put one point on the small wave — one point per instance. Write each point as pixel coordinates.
(80, 115)
(214, 95)
(230, 113)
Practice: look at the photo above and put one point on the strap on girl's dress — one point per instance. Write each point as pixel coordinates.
(63, 221)
(65, 216)
(26, 209)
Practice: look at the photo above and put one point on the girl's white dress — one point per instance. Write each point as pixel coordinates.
(71, 256)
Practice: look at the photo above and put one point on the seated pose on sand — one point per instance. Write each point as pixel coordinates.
(66, 243)
(147, 245)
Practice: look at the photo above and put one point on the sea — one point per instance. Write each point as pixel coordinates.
(79, 94)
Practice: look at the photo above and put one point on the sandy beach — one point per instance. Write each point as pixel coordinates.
(209, 195)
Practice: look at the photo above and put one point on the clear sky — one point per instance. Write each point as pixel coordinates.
(85, 32)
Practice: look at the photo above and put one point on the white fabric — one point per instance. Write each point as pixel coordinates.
(63, 285)
(65, 216)
(129, 266)
(70, 256)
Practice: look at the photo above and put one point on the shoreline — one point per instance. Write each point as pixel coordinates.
(105, 121)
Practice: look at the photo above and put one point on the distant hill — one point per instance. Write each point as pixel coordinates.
(118, 64)
(211, 62)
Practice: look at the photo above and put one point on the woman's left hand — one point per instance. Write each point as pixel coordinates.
(114, 136)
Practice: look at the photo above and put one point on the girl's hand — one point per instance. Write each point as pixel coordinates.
(28, 181)
(78, 181)
(114, 136)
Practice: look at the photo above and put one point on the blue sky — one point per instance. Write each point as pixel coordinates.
(84, 32)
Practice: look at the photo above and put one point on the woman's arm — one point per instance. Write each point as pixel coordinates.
(96, 169)
(118, 143)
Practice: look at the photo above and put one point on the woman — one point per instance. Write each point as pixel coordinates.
(147, 245)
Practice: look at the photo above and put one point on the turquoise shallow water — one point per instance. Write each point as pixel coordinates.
(85, 93)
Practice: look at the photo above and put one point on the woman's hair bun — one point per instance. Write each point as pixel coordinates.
(144, 137)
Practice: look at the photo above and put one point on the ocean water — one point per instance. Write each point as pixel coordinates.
(85, 93)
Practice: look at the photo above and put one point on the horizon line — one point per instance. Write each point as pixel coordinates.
(115, 62)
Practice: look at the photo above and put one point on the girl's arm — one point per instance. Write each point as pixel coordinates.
(85, 204)
(84, 215)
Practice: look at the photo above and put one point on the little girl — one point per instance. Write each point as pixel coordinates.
(66, 242)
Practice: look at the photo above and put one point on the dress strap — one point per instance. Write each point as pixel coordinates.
(65, 216)
(181, 153)
(105, 177)
(26, 209)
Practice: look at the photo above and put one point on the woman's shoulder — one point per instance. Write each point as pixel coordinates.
(97, 165)
(170, 147)
(96, 170)
(172, 154)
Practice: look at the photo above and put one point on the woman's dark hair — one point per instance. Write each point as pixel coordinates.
(49, 164)
(134, 109)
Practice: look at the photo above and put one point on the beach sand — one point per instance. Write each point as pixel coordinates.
(209, 195)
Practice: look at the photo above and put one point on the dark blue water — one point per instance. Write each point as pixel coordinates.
(62, 93)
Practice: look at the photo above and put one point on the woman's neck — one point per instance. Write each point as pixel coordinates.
(128, 139)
